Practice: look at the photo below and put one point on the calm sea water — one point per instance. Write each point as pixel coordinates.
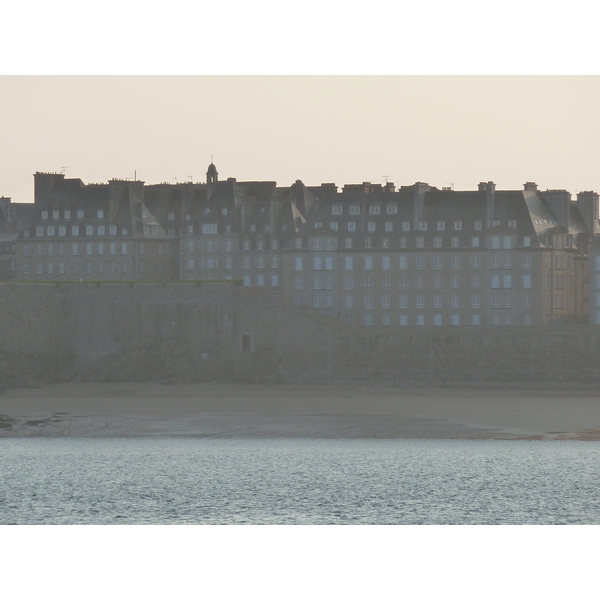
(297, 481)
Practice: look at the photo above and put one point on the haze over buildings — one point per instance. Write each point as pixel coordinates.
(443, 130)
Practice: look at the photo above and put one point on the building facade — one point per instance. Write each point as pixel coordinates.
(368, 254)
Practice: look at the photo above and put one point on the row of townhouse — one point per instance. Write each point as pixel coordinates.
(368, 254)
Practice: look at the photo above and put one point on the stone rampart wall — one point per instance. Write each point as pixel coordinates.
(190, 331)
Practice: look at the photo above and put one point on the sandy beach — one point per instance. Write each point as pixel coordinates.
(229, 410)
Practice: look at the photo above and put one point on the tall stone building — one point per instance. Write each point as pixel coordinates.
(368, 254)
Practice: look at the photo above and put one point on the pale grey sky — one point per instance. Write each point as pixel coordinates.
(342, 129)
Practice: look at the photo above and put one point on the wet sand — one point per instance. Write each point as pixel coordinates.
(229, 410)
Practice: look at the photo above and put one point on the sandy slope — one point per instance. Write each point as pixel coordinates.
(223, 410)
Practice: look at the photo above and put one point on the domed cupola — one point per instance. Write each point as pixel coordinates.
(211, 175)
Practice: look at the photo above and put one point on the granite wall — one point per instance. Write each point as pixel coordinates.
(190, 331)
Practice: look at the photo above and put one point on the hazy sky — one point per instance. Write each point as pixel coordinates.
(342, 129)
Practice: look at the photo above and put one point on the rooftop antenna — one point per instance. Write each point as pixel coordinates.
(175, 178)
(386, 177)
(63, 170)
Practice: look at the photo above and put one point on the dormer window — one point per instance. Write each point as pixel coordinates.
(144, 213)
(512, 224)
(495, 223)
(113, 230)
(318, 225)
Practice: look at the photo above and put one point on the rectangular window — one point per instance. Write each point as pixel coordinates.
(298, 282)
(437, 319)
(420, 319)
(391, 209)
(506, 281)
(403, 301)
(385, 262)
(298, 263)
(274, 280)
(402, 320)
(474, 319)
(88, 248)
(420, 242)
(437, 242)
(348, 243)
(455, 261)
(351, 226)
(336, 209)
(207, 228)
(405, 225)
(420, 300)
(495, 242)
(402, 242)
(455, 242)
(349, 282)
(526, 281)
(329, 263)
(526, 241)
(100, 248)
(317, 263)
(39, 231)
(371, 226)
(457, 225)
(389, 226)
(368, 263)
(354, 209)
(495, 281)
(374, 209)
(441, 225)
(475, 300)
(475, 241)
